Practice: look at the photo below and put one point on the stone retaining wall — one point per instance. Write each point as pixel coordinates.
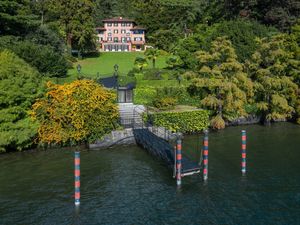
(117, 137)
(251, 119)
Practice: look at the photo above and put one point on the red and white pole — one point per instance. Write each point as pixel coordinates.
(178, 162)
(205, 156)
(77, 178)
(244, 154)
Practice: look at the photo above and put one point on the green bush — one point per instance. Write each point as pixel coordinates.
(133, 72)
(180, 93)
(144, 95)
(185, 122)
(153, 74)
(125, 80)
(20, 85)
(164, 102)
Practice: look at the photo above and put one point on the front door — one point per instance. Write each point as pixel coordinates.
(125, 96)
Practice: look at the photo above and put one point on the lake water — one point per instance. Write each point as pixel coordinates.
(125, 185)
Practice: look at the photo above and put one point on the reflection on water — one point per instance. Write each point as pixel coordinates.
(125, 185)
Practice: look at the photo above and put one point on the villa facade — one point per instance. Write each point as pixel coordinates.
(120, 35)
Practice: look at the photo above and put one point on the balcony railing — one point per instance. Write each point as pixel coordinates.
(138, 42)
(114, 42)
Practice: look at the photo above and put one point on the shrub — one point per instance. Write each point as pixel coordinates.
(217, 123)
(173, 62)
(164, 102)
(133, 72)
(81, 111)
(126, 80)
(180, 93)
(298, 112)
(186, 122)
(144, 95)
(19, 87)
(153, 74)
(189, 75)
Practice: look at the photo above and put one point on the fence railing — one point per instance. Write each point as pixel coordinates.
(138, 122)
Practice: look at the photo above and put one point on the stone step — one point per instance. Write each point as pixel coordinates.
(130, 114)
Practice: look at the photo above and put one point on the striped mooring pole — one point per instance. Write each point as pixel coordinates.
(178, 162)
(77, 178)
(205, 155)
(244, 155)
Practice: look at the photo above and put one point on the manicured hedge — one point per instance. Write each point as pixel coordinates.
(185, 122)
(146, 95)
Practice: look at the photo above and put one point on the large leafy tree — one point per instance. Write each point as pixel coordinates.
(76, 20)
(113, 8)
(273, 67)
(166, 20)
(281, 14)
(242, 33)
(221, 82)
(43, 35)
(19, 87)
(16, 17)
(44, 58)
(293, 44)
(81, 111)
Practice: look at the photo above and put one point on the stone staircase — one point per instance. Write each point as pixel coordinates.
(130, 114)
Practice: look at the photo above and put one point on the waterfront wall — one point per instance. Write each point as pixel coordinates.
(251, 119)
(117, 137)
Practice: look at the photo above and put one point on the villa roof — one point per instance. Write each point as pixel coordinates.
(100, 28)
(118, 19)
(109, 82)
(112, 82)
(138, 28)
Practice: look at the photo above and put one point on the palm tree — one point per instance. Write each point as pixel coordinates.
(152, 54)
(140, 62)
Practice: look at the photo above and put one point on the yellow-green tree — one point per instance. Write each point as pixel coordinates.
(222, 83)
(274, 67)
(81, 111)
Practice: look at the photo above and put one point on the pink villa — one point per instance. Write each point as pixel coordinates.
(120, 34)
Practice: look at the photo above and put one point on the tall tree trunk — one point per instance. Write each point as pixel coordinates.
(220, 107)
(69, 42)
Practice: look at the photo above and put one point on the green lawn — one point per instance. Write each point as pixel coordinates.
(104, 65)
